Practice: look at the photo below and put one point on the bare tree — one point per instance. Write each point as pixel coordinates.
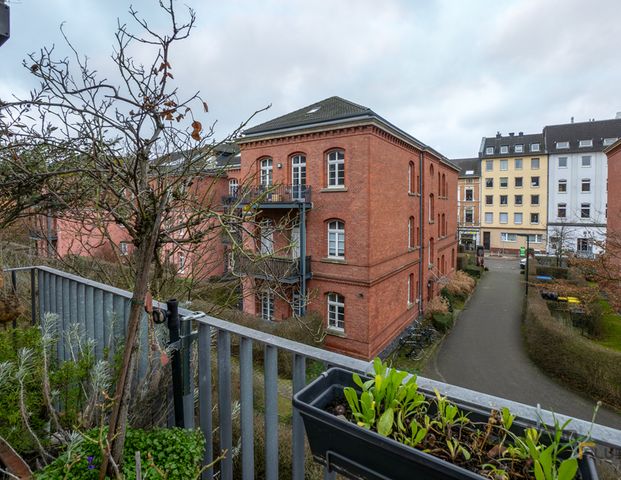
(128, 151)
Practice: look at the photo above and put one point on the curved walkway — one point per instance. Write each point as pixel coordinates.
(484, 351)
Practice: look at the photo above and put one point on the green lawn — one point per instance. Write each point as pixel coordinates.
(611, 326)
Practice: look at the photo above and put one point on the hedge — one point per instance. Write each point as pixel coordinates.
(554, 272)
(563, 353)
(473, 271)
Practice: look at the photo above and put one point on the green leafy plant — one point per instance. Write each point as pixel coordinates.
(391, 404)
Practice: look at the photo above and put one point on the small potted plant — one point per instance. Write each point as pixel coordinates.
(386, 427)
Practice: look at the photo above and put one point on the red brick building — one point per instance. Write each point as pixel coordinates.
(613, 230)
(373, 222)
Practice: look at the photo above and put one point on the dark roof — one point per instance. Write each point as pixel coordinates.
(468, 165)
(511, 141)
(333, 110)
(328, 110)
(596, 131)
(221, 157)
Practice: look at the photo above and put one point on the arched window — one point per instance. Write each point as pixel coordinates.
(233, 186)
(411, 289)
(431, 171)
(442, 266)
(412, 186)
(336, 169)
(298, 176)
(439, 185)
(336, 311)
(431, 208)
(336, 239)
(431, 250)
(443, 185)
(267, 305)
(267, 172)
(411, 236)
(443, 225)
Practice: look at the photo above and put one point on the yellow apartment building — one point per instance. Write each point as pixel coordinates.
(514, 186)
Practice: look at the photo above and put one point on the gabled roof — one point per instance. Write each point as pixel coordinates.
(328, 110)
(596, 131)
(332, 111)
(510, 141)
(469, 167)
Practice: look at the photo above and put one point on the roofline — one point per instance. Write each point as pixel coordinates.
(361, 119)
(612, 147)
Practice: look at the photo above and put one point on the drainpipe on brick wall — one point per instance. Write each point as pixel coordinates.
(421, 235)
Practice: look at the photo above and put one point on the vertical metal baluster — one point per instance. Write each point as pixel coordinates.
(14, 287)
(271, 412)
(33, 296)
(43, 292)
(119, 312)
(73, 305)
(224, 402)
(89, 311)
(58, 308)
(64, 292)
(328, 475)
(98, 321)
(299, 381)
(204, 394)
(188, 377)
(247, 415)
(107, 317)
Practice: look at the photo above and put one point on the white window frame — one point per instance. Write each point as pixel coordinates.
(585, 143)
(267, 172)
(585, 182)
(535, 161)
(587, 207)
(504, 149)
(489, 165)
(562, 145)
(517, 215)
(267, 305)
(466, 192)
(610, 141)
(518, 162)
(233, 187)
(559, 207)
(535, 238)
(519, 148)
(504, 165)
(584, 157)
(566, 162)
(563, 182)
(508, 237)
(506, 217)
(535, 147)
(532, 181)
(489, 151)
(336, 311)
(469, 210)
(182, 262)
(531, 218)
(506, 182)
(124, 248)
(336, 239)
(335, 161)
(489, 217)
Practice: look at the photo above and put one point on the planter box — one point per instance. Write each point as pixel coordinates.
(356, 452)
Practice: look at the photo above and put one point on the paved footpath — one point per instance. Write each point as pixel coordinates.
(484, 351)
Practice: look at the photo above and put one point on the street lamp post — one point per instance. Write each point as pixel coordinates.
(527, 255)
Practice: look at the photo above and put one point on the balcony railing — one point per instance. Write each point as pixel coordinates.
(226, 373)
(282, 269)
(270, 195)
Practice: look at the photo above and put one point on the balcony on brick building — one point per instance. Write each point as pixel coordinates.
(273, 196)
(282, 269)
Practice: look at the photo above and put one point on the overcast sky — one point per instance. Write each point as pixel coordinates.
(446, 71)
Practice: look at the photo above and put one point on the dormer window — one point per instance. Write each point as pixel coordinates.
(561, 145)
(519, 148)
(610, 141)
(504, 149)
(585, 143)
(534, 147)
(489, 151)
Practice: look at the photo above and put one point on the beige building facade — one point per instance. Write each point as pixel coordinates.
(514, 176)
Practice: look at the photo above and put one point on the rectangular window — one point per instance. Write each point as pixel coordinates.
(534, 147)
(518, 200)
(585, 210)
(584, 245)
(489, 217)
(562, 186)
(518, 182)
(489, 151)
(469, 215)
(508, 237)
(489, 166)
(504, 165)
(517, 218)
(562, 162)
(585, 143)
(123, 247)
(504, 182)
(336, 311)
(336, 239)
(534, 181)
(534, 163)
(336, 169)
(489, 199)
(535, 238)
(469, 195)
(504, 149)
(561, 210)
(586, 161)
(504, 217)
(586, 185)
(518, 164)
(519, 148)
(534, 218)
(562, 145)
(610, 141)
(267, 306)
(504, 199)
(534, 199)
(489, 183)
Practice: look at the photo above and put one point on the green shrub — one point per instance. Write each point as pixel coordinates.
(442, 322)
(554, 272)
(166, 453)
(473, 271)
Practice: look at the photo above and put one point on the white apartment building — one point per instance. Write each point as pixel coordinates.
(577, 184)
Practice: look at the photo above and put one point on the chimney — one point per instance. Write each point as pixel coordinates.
(521, 133)
(511, 134)
(572, 119)
(498, 135)
(618, 115)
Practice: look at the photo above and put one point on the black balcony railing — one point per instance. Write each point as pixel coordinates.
(281, 269)
(273, 194)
